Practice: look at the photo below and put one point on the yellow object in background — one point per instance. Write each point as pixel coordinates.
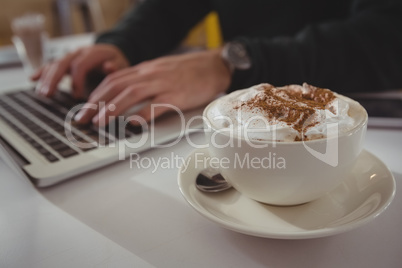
(206, 34)
(213, 31)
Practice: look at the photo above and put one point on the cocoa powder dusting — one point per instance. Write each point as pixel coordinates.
(291, 105)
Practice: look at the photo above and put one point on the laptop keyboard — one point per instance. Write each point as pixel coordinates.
(42, 123)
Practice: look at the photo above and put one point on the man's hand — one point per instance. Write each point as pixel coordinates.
(185, 81)
(103, 57)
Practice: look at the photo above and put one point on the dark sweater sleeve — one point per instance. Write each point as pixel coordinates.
(360, 53)
(155, 27)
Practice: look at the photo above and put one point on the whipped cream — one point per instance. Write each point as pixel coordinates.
(289, 113)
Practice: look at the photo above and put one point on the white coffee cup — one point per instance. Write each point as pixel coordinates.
(285, 173)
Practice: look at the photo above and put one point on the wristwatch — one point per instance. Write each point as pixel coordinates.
(235, 55)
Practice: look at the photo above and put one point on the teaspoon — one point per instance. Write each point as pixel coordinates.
(214, 183)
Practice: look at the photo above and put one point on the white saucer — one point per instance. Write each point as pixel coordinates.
(364, 195)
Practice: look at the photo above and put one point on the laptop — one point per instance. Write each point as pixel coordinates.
(38, 137)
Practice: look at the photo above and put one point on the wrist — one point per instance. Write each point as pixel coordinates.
(221, 70)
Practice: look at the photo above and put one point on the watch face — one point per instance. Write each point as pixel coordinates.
(237, 56)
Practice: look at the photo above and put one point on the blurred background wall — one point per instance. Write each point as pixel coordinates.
(65, 17)
(111, 11)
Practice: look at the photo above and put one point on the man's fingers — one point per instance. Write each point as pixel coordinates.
(79, 69)
(88, 60)
(128, 98)
(109, 67)
(153, 110)
(107, 90)
(52, 73)
(35, 76)
(41, 74)
(113, 65)
(100, 96)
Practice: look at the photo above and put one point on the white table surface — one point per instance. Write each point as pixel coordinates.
(128, 217)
